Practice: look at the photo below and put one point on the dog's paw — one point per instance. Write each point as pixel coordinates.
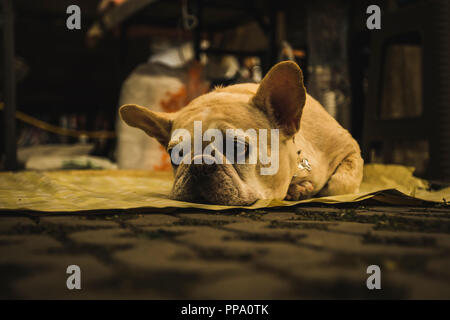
(299, 191)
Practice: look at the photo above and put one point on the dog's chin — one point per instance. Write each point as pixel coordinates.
(223, 199)
(223, 188)
(214, 198)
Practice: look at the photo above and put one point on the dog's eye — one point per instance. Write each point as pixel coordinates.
(237, 150)
(169, 151)
(241, 150)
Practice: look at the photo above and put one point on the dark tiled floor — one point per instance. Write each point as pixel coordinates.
(304, 252)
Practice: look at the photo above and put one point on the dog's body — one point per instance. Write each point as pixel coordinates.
(307, 133)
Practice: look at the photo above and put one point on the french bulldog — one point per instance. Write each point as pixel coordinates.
(316, 156)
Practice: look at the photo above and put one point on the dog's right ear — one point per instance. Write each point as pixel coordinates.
(282, 96)
(155, 124)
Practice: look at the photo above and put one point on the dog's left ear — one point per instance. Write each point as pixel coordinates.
(155, 124)
(282, 95)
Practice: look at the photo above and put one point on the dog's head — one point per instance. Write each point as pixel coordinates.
(233, 145)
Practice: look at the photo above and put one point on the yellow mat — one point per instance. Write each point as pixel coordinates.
(97, 190)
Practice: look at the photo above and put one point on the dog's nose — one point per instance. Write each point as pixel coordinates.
(203, 166)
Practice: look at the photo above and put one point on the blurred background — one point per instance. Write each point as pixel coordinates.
(61, 88)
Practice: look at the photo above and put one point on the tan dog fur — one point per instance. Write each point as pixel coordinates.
(279, 101)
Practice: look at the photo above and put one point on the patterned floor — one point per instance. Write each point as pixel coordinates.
(292, 253)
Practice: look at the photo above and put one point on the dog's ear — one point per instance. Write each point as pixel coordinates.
(282, 95)
(155, 124)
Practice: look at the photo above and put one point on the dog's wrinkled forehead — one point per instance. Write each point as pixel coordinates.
(221, 110)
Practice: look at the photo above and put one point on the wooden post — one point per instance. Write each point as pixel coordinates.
(198, 12)
(9, 87)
